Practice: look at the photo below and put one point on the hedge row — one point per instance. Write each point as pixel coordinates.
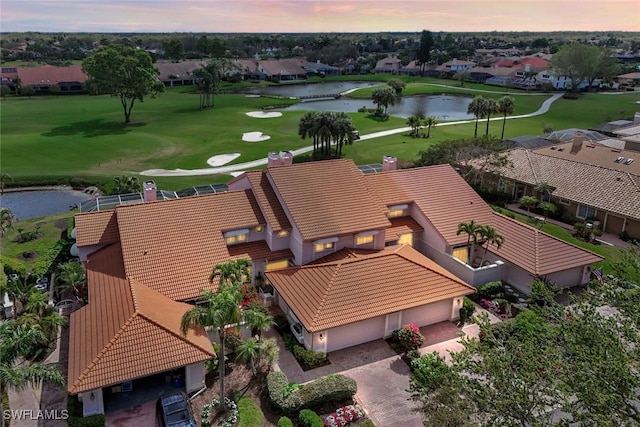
(330, 388)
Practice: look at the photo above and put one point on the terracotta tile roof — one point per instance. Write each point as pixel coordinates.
(257, 250)
(49, 74)
(535, 251)
(127, 330)
(275, 67)
(181, 70)
(268, 201)
(94, 228)
(327, 198)
(602, 188)
(438, 191)
(357, 288)
(401, 225)
(594, 154)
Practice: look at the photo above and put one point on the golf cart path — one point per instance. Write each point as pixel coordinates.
(238, 167)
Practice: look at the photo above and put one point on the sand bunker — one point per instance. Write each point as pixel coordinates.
(254, 137)
(222, 159)
(264, 114)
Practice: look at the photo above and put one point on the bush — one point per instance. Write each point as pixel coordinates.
(310, 358)
(409, 338)
(467, 310)
(309, 418)
(344, 416)
(290, 342)
(281, 323)
(249, 413)
(285, 422)
(489, 290)
(315, 394)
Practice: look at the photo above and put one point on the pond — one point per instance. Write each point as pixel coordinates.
(313, 89)
(442, 107)
(35, 204)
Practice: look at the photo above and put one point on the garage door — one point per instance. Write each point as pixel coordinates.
(355, 333)
(428, 314)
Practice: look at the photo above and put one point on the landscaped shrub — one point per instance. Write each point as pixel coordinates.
(331, 388)
(290, 388)
(409, 338)
(308, 418)
(310, 358)
(281, 323)
(249, 413)
(285, 422)
(290, 342)
(489, 290)
(344, 416)
(467, 310)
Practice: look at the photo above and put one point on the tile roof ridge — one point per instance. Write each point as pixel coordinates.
(536, 252)
(104, 351)
(533, 170)
(323, 301)
(633, 182)
(583, 163)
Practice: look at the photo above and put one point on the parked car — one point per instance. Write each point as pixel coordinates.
(174, 410)
(42, 284)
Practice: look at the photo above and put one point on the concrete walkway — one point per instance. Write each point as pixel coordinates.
(240, 167)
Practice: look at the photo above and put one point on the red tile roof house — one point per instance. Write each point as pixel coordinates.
(368, 253)
(70, 79)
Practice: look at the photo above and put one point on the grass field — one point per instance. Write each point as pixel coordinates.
(83, 136)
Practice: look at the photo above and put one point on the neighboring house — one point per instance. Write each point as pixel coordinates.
(456, 65)
(350, 256)
(390, 65)
(413, 68)
(481, 74)
(629, 78)
(319, 69)
(592, 181)
(178, 73)
(283, 69)
(70, 79)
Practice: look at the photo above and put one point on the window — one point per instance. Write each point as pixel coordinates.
(461, 253)
(236, 236)
(320, 247)
(277, 265)
(564, 201)
(504, 186)
(283, 233)
(585, 211)
(406, 239)
(397, 210)
(363, 240)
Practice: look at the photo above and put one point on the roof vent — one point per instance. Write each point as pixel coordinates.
(619, 159)
(628, 161)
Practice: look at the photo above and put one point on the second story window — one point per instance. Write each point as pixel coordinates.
(236, 236)
(325, 244)
(366, 237)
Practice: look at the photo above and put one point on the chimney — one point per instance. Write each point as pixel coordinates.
(577, 140)
(286, 158)
(149, 191)
(454, 61)
(389, 163)
(274, 159)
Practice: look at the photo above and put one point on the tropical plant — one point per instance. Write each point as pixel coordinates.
(259, 322)
(74, 279)
(248, 352)
(7, 219)
(472, 230)
(545, 190)
(528, 202)
(4, 178)
(383, 97)
(414, 122)
(16, 342)
(126, 184)
(548, 208)
(397, 85)
(489, 236)
(491, 107)
(208, 79)
(477, 107)
(430, 122)
(506, 106)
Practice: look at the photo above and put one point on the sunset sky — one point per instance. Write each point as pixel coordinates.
(283, 16)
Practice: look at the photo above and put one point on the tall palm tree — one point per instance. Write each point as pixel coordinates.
(477, 107)
(489, 236)
(344, 132)
(17, 341)
(506, 105)
(491, 107)
(18, 290)
(306, 127)
(74, 279)
(259, 322)
(383, 97)
(414, 123)
(430, 122)
(472, 230)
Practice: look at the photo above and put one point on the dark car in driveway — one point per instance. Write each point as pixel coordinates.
(174, 410)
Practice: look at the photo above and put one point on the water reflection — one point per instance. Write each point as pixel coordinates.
(34, 204)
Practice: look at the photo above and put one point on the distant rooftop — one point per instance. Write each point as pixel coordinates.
(567, 135)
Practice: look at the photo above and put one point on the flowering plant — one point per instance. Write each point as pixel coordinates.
(231, 419)
(344, 416)
(409, 337)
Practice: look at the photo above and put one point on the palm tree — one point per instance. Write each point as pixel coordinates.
(37, 303)
(344, 132)
(528, 202)
(74, 279)
(18, 290)
(259, 322)
(472, 230)
(383, 97)
(248, 352)
(414, 122)
(429, 123)
(125, 184)
(506, 105)
(490, 236)
(307, 127)
(477, 107)
(7, 219)
(491, 107)
(545, 190)
(17, 341)
(548, 208)
(208, 79)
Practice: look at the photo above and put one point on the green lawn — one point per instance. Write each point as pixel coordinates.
(49, 138)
